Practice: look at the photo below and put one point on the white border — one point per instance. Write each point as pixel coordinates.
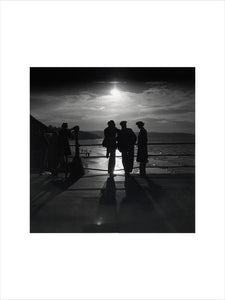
(125, 33)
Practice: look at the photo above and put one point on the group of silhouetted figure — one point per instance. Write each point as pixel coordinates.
(124, 140)
(53, 152)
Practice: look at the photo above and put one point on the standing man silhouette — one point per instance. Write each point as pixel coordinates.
(126, 141)
(110, 135)
(64, 146)
(142, 154)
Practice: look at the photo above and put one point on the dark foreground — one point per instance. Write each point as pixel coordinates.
(160, 203)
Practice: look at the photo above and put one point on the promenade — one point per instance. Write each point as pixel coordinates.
(159, 203)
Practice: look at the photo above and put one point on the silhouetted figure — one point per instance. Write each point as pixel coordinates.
(110, 135)
(126, 141)
(64, 146)
(142, 154)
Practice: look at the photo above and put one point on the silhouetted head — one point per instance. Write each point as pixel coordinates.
(140, 124)
(76, 128)
(123, 124)
(64, 125)
(111, 124)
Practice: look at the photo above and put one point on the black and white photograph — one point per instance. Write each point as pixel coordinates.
(112, 150)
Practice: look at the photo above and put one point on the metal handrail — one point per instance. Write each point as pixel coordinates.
(147, 167)
(149, 155)
(149, 144)
(77, 145)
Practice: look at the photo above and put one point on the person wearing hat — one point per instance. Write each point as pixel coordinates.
(110, 135)
(142, 154)
(126, 141)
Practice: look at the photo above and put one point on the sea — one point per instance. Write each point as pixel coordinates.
(156, 165)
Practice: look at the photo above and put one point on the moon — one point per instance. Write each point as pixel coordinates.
(115, 92)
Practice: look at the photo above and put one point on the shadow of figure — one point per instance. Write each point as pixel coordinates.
(108, 193)
(106, 215)
(131, 190)
(135, 209)
(135, 195)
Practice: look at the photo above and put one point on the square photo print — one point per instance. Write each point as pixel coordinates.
(112, 150)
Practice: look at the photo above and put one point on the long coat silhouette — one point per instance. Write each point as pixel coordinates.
(64, 146)
(126, 141)
(142, 154)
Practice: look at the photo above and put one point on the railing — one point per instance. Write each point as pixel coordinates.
(77, 146)
(149, 144)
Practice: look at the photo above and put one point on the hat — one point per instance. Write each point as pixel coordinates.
(64, 125)
(123, 122)
(111, 122)
(140, 123)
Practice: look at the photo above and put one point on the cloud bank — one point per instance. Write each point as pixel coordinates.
(164, 107)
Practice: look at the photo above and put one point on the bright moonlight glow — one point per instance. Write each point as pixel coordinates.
(115, 92)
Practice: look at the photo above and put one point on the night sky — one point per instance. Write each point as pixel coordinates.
(164, 98)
